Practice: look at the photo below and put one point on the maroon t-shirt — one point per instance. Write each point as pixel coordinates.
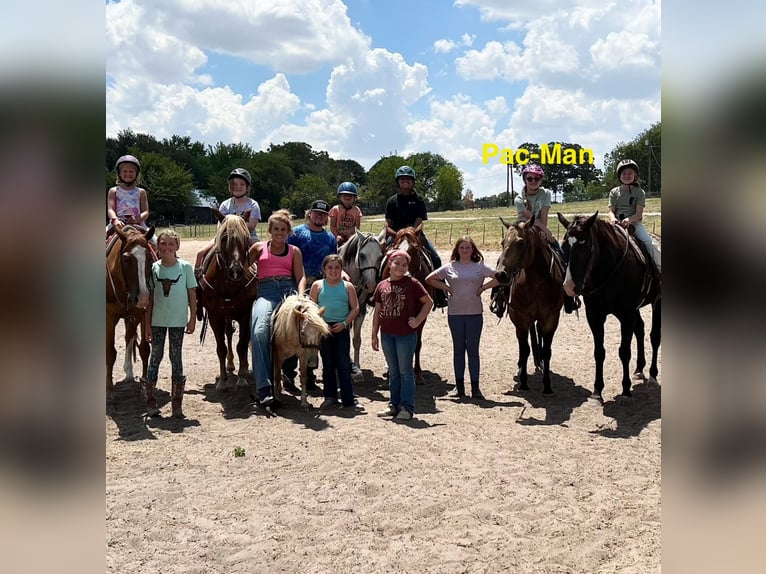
(399, 300)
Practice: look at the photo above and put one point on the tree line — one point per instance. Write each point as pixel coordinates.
(293, 174)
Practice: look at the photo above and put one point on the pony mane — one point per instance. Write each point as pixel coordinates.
(307, 307)
(235, 228)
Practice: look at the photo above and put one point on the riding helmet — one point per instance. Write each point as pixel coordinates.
(626, 163)
(241, 173)
(533, 168)
(347, 187)
(127, 159)
(404, 171)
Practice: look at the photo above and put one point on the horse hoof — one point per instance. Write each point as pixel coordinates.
(242, 383)
(639, 376)
(653, 381)
(596, 399)
(625, 400)
(224, 384)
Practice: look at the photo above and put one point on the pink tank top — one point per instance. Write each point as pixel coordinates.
(270, 265)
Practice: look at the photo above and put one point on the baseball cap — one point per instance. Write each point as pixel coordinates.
(320, 205)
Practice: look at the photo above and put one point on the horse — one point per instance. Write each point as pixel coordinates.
(362, 256)
(614, 277)
(128, 270)
(226, 291)
(297, 329)
(535, 298)
(420, 266)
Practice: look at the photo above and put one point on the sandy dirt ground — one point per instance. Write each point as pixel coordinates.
(517, 483)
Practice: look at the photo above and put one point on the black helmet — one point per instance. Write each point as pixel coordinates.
(127, 159)
(243, 173)
(626, 163)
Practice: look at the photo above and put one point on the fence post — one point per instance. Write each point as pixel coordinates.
(484, 235)
(450, 234)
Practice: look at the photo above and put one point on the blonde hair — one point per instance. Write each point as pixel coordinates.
(283, 216)
(170, 233)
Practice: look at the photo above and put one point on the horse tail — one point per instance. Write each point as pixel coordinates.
(203, 330)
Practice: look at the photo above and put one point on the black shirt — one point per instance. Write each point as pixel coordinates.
(403, 210)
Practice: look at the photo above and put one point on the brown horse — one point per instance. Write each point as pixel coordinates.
(297, 329)
(128, 269)
(420, 266)
(614, 277)
(226, 292)
(536, 297)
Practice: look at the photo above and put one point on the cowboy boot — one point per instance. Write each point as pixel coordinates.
(459, 389)
(150, 398)
(475, 391)
(177, 397)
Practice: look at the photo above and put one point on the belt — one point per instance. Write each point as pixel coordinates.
(276, 278)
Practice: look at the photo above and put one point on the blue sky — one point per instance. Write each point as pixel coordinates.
(362, 79)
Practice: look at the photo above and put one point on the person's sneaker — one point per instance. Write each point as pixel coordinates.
(264, 396)
(355, 370)
(404, 415)
(328, 402)
(288, 383)
(356, 405)
(390, 411)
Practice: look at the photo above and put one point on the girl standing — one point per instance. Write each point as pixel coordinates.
(172, 309)
(338, 297)
(463, 279)
(402, 304)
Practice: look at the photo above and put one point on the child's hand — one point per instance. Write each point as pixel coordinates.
(191, 325)
(375, 343)
(413, 322)
(148, 335)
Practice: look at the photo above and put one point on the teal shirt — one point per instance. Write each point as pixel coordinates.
(335, 301)
(173, 310)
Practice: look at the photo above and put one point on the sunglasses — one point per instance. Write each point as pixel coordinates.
(534, 178)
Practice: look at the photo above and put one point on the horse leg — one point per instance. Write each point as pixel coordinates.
(243, 346)
(111, 353)
(596, 324)
(229, 330)
(303, 362)
(655, 336)
(418, 371)
(131, 329)
(356, 366)
(546, 351)
(627, 326)
(638, 332)
(217, 323)
(521, 337)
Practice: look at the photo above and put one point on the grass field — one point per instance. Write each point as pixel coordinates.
(444, 227)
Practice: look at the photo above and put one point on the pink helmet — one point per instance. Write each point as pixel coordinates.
(533, 168)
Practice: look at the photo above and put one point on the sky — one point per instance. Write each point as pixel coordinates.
(363, 79)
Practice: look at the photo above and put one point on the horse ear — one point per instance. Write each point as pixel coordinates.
(246, 215)
(149, 233)
(590, 221)
(505, 223)
(217, 213)
(121, 234)
(321, 311)
(298, 312)
(563, 220)
(531, 222)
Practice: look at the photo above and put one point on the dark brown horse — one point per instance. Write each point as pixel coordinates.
(528, 263)
(226, 293)
(420, 266)
(128, 269)
(607, 268)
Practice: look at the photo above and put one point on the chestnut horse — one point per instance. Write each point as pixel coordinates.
(420, 266)
(226, 292)
(297, 329)
(607, 267)
(128, 269)
(361, 255)
(535, 300)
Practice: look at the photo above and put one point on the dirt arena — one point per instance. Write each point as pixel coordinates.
(517, 483)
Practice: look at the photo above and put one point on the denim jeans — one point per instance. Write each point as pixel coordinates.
(336, 366)
(643, 235)
(270, 295)
(399, 351)
(466, 334)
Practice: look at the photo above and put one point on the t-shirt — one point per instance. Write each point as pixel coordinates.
(399, 301)
(314, 246)
(228, 207)
(403, 210)
(347, 219)
(625, 199)
(537, 203)
(465, 280)
(171, 299)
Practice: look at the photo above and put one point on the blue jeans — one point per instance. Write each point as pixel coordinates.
(466, 334)
(399, 351)
(270, 295)
(643, 235)
(336, 367)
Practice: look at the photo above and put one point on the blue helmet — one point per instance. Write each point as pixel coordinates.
(404, 171)
(347, 187)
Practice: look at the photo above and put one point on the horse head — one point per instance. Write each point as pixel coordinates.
(312, 328)
(579, 249)
(369, 255)
(517, 249)
(232, 243)
(407, 240)
(136, 265)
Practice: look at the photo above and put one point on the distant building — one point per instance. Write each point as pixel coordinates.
(200, 212)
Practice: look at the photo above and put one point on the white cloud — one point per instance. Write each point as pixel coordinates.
(467, 39)
(444, 46)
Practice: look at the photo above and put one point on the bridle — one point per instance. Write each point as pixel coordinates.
(589, 266)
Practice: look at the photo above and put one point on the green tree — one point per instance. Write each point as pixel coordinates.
(427, 166)
(307, 189)
(272, 180)
(381, 183)
(449, 186)
(168, 186)
(221, 159)
(644, 149)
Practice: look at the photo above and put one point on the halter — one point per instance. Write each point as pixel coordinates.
(303, 344)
